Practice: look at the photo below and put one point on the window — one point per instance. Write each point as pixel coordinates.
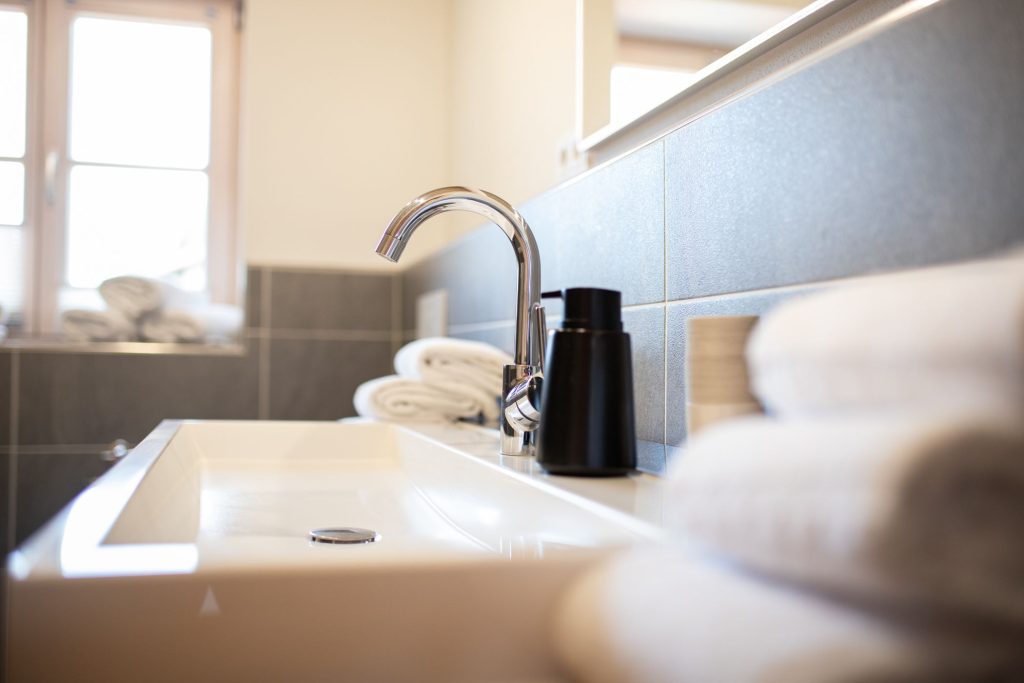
(118, 132)
(13, 149)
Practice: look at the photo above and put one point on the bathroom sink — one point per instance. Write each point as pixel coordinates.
(192, 558)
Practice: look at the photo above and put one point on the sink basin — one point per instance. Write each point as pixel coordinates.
(192, 559)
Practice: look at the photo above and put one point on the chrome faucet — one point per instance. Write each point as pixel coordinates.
(521, 380)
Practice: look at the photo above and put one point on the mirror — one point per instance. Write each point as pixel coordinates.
(636, 55)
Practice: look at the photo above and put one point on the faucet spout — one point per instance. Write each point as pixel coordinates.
(516, 439)
(528, 351)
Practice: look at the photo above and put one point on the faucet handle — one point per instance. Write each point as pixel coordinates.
(540, 328)
(522, 405)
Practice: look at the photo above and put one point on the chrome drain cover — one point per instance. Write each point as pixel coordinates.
(343, 534)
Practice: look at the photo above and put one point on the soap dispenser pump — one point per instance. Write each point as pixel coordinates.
(587, 425)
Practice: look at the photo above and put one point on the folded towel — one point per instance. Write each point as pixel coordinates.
(401, 399)
(208, 322)
(925, 512)
(468, 368)
(86, 325)
(948, 338)
(136, 296)
(660, 616)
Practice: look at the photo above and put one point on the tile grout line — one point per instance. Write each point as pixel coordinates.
(263, 381)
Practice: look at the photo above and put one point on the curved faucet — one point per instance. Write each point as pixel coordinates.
(516, 438)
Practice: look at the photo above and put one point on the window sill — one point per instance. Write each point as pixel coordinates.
(37, 345)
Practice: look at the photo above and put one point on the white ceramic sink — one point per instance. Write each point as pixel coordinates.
(191, 559)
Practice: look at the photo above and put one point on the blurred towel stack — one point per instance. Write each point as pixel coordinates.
(145, 309)
(868, 528)
(438, 380)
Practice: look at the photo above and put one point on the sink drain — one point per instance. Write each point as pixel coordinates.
(343, 534)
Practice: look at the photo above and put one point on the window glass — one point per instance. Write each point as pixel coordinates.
(12, 257)
(140, 93)
(153, 222)
(12, 193)
(13, 75)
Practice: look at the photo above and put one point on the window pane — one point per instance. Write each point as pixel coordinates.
(136, 221)
(12, 257)
(12, 193)
(13, 79)
(140, 93)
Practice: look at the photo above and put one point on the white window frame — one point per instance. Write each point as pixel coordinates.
(47, 131)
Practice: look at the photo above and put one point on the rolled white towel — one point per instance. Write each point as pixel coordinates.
(457, 366)
(948, 338)
(207, 322)
(924, 512)
(664, 617)
(400, 399)
(88, 325)
(136, 296)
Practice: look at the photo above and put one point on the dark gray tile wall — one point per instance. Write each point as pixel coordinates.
(5, 400)
(94, 398)
(5, 512)
(896, 149)
(321, 300)
(49, 481)
(5, 547)
(253, 297)
(314, 379)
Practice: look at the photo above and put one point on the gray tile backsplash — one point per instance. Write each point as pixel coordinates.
(49, 481)
(503, 336)
(479, 272)
(894, 153)
(93, 398)
(314, 379)
(253, 296)
(646, 328)
(5, 400)
(321, 300)
(606, 229)
(5, 465)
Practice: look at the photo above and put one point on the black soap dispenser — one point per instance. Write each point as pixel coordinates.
(587, 425)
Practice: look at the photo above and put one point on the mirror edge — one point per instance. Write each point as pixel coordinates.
(796, 24)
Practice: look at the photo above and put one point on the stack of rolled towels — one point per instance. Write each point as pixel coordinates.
(869, 527)
(140, 308)
(438, 379)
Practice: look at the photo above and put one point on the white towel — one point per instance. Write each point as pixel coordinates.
(948, 338)
(928, 512)
(466, 368)
(400, 399)
(87, 325)
(663, 617)
(208, 322)
(136, 296)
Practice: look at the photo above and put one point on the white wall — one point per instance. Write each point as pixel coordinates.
(344, 110)
(512, 93)
(351, 108)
